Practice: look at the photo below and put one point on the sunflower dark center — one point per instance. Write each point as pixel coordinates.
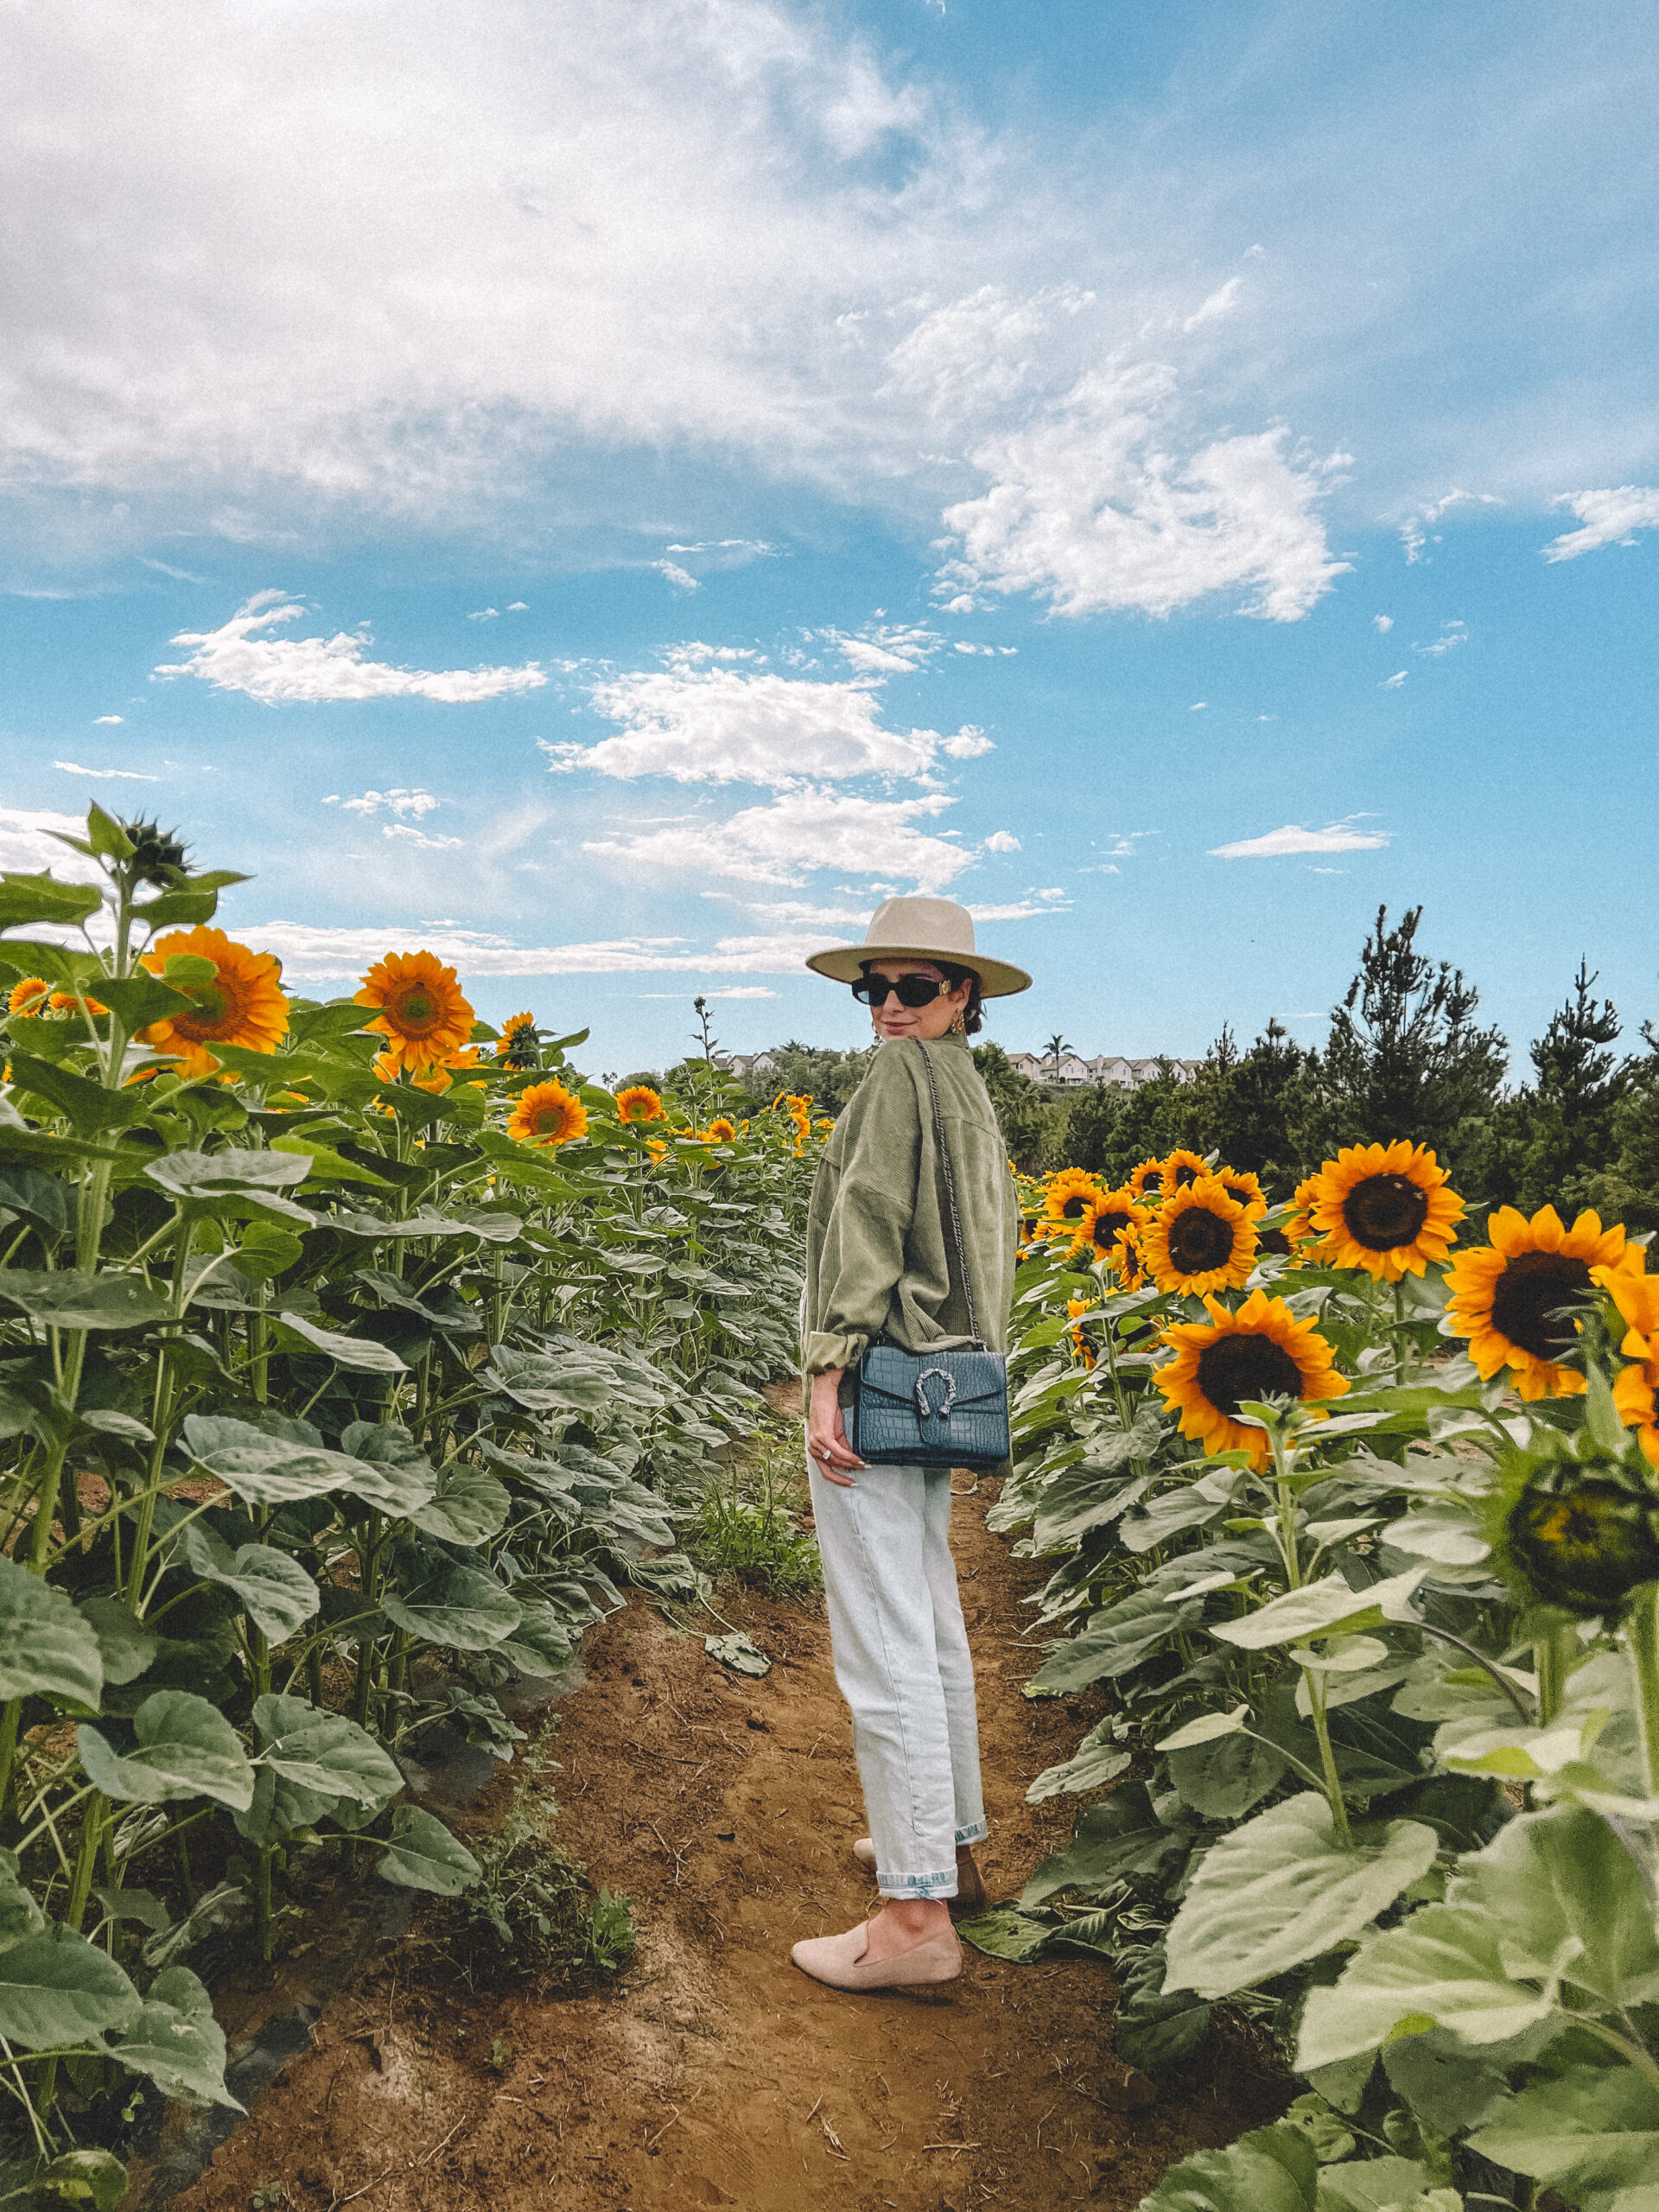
(1199, 1241)
(1526, 1303)
(1154, 1182)
(1186, 1175)
(1075, 1206)
(1239, 1367)
(1385, 1211)
(1109, 1225)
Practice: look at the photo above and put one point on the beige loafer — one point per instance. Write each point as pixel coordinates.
(838, 1961)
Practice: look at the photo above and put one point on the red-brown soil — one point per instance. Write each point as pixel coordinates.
(716, 2074)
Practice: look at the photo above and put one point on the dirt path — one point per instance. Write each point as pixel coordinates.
(717, 2074)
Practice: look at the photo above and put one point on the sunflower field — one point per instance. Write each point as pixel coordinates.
(1352, 1508)
(352, 1356)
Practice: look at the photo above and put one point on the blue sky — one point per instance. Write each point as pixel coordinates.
(607, 493)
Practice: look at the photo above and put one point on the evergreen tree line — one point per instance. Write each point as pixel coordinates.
(1406, 1056)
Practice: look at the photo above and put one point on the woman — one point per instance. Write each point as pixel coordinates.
(880, 1257)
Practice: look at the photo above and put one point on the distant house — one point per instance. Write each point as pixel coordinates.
(1075, 1073)
(743, 1066)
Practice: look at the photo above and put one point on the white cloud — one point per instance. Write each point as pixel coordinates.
(797, 834)
(1415, 531)
(28, 844)
(743, 991)
(108, 721)
(234, 657)
(322, 954)
(485, 615)
(1382, 624)
(1198, 707)
(1452, 634)
(1393, 682)
(1220, 303)
(701, 722)
(1610, 518)
(419, 838)
(105, 775)
(1091, 510)
(893, 650)
(517, 606)
(1001, 841)
(398, 801)
(1339, 837)
(680, 578)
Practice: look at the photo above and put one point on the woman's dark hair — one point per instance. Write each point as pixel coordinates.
(972, 1020)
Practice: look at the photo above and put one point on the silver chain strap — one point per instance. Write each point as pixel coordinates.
(950, 1194)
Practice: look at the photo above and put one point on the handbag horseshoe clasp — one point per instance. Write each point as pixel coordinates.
(926, 1411)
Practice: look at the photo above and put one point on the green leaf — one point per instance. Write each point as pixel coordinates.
(424, 1855)
(186, 1749)
(58, 1988)
(94, 2177)
(1593, 2127)
(278, 1593)
(468, 1511)
(1005, 1932)
(1320, 1610)
(1442, 2081)
(464, 1610)
(1120, 1839)
(393, 1473)
(739, 1653)
(1375, 2185)
(1569, 1900)
(265, 1469)
(1449, 1534)
(140, 1000)
(142, 1905)
(26, 899)
(1223, 1777)
(1096, 1761)
(42, 1199)
(199, 1180)
(1152, 2030)
(361, 1353)
(176, 2041)
(88, 1106)
(1281, 1889)
(326, 1165)
(1115, 1643)
(1272, 2171)
(124, 1644)
(1440, 1965)
(325, 1752)
(68, 1298)
(106, 836)
(548, 1385)
(47, 1649)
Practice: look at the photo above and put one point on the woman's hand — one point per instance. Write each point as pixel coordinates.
(826, 1433)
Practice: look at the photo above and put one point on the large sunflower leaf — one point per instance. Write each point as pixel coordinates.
(94, 2177)
(1380, 2185)
(186, 1749)
(265, 1469)
(1274, 2169)
(124, 1644)
(1096, 1761)
(177, 2041)
(1281, 1889)
(26, 899)
(68, 1298)
(1320, 1610)
(1115, 1643)
(47, 1649)
(199, 1179)
(463, 1610)
(546, 1385)
(277, 1590)
(1224, 1777)
(1570, 1900)
(469, 1507)
(393, 1473)
(58, 1988)
(87, 1105)
(1442, 1966)
(325, 1752)
(1121, 1839)
(361, 1353)
(42, 1199)
(424, 1855)
(1593, 2127)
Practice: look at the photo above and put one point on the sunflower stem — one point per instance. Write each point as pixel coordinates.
(1642, 1633)
(1551, 1657)
(1403, 1361)
(1328, 1759)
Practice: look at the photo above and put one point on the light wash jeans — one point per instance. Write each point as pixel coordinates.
(903, 1665)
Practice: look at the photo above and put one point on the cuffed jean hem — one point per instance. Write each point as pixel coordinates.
(976, 1832)
(918, 1885)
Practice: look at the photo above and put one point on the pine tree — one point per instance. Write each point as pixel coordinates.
(1567, 1114)
(1629, 1190)
(1404, 1058)
(1246, 1103)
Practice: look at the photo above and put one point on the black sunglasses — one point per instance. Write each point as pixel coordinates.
(912, 991)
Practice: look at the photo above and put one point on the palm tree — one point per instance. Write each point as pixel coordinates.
(1056, 1049)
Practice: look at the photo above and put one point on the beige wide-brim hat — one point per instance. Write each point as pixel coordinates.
(921, 929)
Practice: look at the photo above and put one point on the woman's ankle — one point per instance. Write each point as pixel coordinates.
(917, 1916)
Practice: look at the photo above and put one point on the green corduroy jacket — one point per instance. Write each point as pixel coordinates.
(878, 1242)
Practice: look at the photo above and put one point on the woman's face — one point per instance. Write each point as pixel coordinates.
(890, 1019)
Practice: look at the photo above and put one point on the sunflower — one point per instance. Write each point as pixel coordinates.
(437, 1080)
(1131, 1260)
(518, 1045)
(1385, 1208)
(1080, 1345)
(801, 1104)
(1636, 1390)
(422, 1009)
(242, 1005)
(638, 1103)
(719, 1131)
(1245, 1188)
(1104, 1219)
(1069, 1195)
(66, 1002)
(29, 996)
(1260, 1351)
(1182, 1168)
(1146, 1181)
(548, 1114)
(1506, 1297)
(1200, 1240)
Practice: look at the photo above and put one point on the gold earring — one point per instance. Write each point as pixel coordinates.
(958, 1026)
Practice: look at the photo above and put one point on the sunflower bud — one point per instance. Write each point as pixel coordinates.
(158, 855)
(1585, 1536)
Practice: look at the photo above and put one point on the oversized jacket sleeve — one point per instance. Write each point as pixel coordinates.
(866, 1213)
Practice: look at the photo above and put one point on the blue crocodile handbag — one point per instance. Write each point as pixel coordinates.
(944, 1408)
